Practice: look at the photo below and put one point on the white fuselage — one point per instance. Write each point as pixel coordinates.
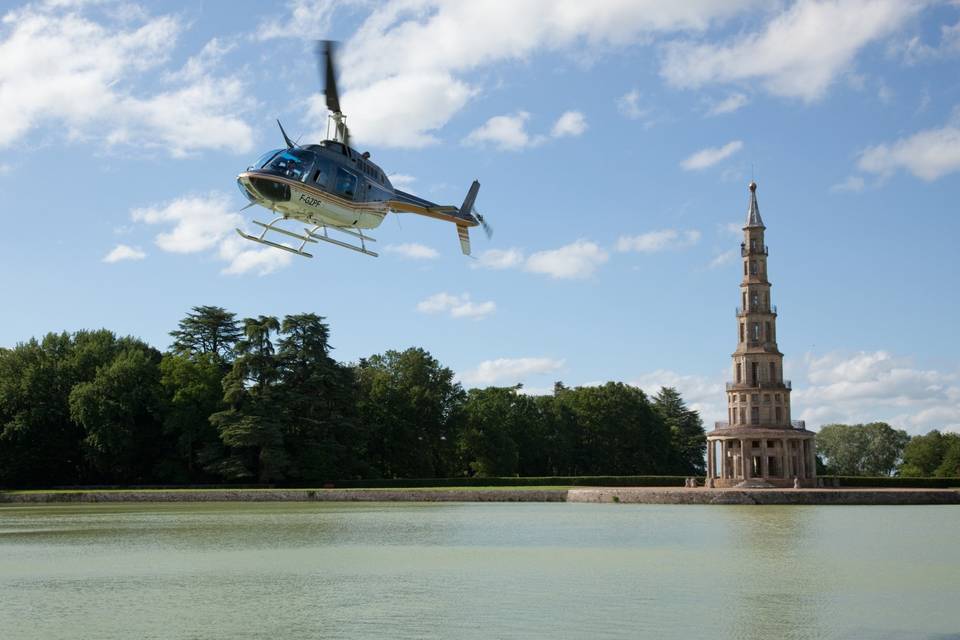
(310, 204)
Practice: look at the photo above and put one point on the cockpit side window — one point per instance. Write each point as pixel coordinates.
(264, 159)
(346, 184)
(322, 173)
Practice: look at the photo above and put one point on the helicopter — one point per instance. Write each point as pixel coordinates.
(331, 187)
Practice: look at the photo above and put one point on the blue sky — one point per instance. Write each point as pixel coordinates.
(614, 142)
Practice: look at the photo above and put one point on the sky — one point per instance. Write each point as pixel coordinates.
(614, 141)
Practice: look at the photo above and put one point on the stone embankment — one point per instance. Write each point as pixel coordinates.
(625, 495)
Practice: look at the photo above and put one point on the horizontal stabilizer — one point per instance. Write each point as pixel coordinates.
(464, 234)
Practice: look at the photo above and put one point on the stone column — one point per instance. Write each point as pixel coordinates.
(813, 459)
(710, 446)
(764, 463)
(787, 472)
(745, 459)
(801, 460)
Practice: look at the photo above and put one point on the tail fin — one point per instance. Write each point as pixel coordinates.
(466, 209)
(464, 233)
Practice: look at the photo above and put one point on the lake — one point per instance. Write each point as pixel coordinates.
(478, 570)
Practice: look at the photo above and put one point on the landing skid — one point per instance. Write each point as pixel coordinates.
(309, 235)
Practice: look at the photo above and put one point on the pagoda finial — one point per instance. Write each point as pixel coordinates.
(753, 213)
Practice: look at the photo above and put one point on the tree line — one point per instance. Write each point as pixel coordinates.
(262, 400)
(877, 449)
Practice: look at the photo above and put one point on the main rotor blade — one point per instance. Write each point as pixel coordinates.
(329, 74)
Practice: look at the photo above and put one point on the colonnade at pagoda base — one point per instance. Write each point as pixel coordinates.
(758, 457)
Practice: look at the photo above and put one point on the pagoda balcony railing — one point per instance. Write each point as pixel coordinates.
(759, 384)
(794, 424)
(757, 309)
(746, 251)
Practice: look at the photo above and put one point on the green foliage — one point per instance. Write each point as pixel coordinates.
(411, 410)
(872, 449)
(934, 454)
(687, 436)
(207, 331)
(262, 401)
(885, 482)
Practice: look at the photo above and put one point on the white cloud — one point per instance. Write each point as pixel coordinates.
(577, 260)
(59, 66)
(700, 393)
(456, 306)
(5, 169)
(499, 259)
(207, 222)
(853, 184)
(731, 228)
(412, 251)
(305, 20)
(199, 222)
(928, 154)
(711, 156)
(242, 256)
(401, 180)
(571, 123)
(509, 370)
(872, 386)
(405, 58)
(723, 258)
(654, 241)
(507, 133)
(798, 53)
(915, 51)
(124, 252)
(629, 105)
(729, 104)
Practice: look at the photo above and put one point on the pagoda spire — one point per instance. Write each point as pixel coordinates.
(753, 213)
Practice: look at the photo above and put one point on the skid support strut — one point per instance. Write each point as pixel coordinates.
(309, 235)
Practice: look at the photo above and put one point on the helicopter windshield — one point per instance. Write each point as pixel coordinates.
(293, 163)
(264, 159)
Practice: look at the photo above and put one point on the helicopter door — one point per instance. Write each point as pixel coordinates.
(346, 185)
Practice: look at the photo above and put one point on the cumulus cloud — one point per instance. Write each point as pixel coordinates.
(723, 258)
(200, 223)
(577, 260)
(507, 133)
(629, 105)
(499, 259)
(853, 184)
(123, 252)
(797, 54)
(870, 386)
(407, 60)
(457, 306)
(731, 103)
(928, 154)
(401, 180)
(509, 370)
(571, 123)
(710, 156)
(412, 251)
(662, 240)
(60, 66)
(304, 20)
(701, 393)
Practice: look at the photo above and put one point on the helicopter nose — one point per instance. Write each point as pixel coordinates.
(269, 189)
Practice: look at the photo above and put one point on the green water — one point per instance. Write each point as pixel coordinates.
(478, 571)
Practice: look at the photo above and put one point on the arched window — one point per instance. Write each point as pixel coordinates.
(739, 372)
(773, 372)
